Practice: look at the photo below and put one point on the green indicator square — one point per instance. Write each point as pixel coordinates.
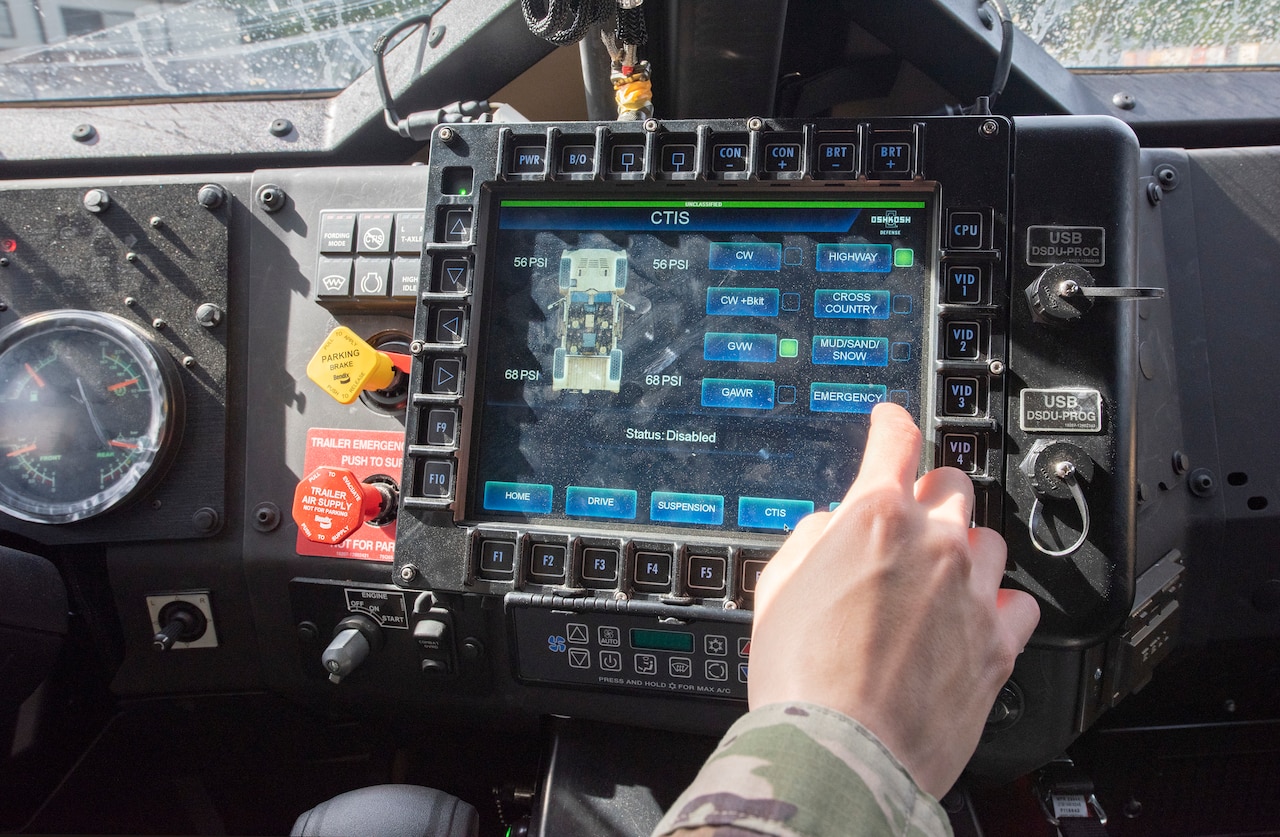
(904, 257)
(788, 347)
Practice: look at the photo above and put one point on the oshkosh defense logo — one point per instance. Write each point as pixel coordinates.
(891, 218)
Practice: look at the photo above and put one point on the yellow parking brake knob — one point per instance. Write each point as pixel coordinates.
(345, 365)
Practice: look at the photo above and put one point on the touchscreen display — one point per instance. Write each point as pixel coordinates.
(695, 363)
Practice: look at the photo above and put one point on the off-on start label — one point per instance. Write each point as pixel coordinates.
(384, 607)
(1085, 246)
(1061, 411)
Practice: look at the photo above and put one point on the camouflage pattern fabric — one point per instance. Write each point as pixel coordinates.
(801, 770)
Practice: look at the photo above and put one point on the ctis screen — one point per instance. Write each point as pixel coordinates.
(695, 363)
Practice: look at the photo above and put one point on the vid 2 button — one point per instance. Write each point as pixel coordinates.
(961, 341)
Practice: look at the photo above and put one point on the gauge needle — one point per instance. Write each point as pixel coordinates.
(21, 451)
(121, 384)
(93, 419)
(35, 376)
(118, 443)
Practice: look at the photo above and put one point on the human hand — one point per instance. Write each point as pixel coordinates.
(889, 610)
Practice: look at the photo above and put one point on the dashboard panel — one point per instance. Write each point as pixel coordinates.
(623, 361)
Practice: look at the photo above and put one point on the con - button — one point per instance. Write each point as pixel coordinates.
(729, 157)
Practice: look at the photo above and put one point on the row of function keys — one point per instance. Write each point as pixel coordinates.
(732, 155)
(650, 568)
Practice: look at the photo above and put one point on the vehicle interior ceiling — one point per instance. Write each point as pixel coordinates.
(287, 431)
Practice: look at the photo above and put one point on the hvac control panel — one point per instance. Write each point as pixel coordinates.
(643, 352)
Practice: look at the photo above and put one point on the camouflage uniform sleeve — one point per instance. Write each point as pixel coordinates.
(801, 770)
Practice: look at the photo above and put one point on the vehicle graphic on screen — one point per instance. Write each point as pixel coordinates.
(588, 359)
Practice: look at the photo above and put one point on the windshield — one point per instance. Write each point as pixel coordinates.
(111, 49)
(1153, 33)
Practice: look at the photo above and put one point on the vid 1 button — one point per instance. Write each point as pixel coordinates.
(770, 513)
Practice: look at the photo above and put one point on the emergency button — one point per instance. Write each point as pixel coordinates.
(344, 366)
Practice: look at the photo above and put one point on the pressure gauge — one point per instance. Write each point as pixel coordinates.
(90, 414)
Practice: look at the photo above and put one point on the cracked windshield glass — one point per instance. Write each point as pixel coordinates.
(126, 49)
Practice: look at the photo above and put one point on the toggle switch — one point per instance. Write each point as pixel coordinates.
(331, 503)
(346, 365)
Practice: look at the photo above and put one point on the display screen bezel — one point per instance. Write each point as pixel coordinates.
(491, 197)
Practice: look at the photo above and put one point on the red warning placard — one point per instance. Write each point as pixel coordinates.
(365, 453)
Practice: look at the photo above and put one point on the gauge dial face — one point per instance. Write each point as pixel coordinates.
(89, 412)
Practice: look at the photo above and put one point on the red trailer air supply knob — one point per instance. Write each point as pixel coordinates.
(332, 502)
